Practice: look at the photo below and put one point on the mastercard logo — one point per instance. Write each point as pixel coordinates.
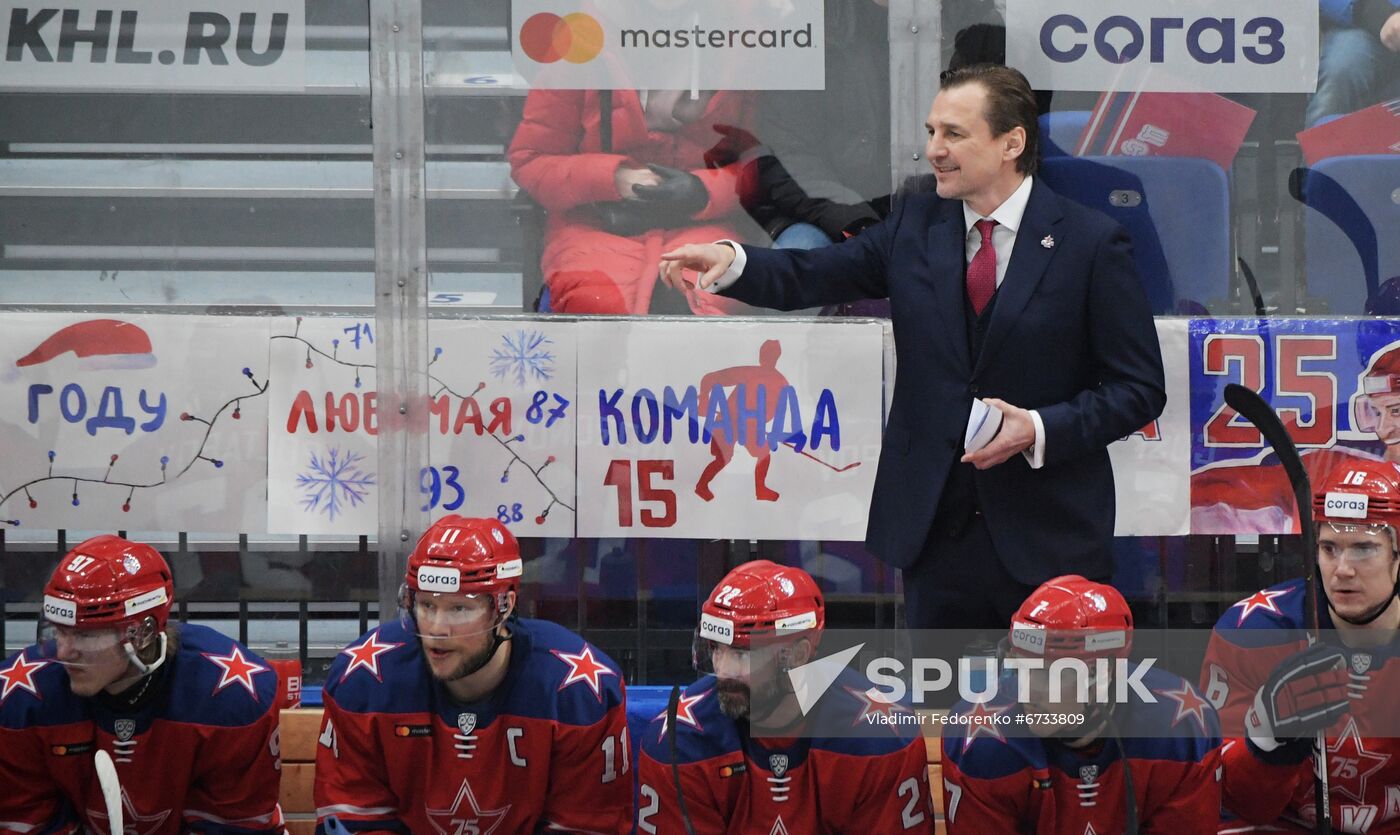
(576, 38)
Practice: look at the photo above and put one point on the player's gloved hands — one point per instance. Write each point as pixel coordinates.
(1304, 694)
(679, 191)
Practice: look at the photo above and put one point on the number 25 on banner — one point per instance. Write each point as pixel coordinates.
(1319, 388)
(620, 476)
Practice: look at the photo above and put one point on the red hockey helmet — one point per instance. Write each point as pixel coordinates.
(1070, 616)
(1360, 492)
(1380, 378)
(109, 583)
(457, 555)
(765, 599)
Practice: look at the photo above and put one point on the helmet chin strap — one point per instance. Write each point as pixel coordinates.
(496, 640)
(135, 658)
(1370, 616)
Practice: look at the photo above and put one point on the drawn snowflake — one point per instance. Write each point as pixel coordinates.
(522, 356)
(334, 482)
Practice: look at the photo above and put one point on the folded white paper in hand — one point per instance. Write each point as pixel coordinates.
(982, 425)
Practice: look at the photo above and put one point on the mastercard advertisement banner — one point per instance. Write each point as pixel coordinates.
(669, 44)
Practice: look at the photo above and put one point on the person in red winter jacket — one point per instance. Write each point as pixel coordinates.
(661, 175)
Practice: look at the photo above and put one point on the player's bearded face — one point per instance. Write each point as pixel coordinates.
(456, 631)
(748, 681)
(94, 658)
(1358, 564)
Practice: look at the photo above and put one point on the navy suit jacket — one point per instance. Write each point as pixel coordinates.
(1070, 335)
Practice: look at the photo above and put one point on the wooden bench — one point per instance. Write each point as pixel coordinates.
(300, 730)
(933, 740)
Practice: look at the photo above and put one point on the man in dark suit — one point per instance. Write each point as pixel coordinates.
(1001, 290)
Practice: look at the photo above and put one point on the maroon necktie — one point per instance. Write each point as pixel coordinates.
(982, 271)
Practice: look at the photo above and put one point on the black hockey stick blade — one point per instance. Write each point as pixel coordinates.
(1252, 284)
(672, 708)
(1257, 411)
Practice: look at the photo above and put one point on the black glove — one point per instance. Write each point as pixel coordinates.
(679, 193)
(1305, 693)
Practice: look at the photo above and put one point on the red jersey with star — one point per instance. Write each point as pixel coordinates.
(1249, 640)
(737, 784)
(1000, 781)
(546, 751)
(204, 755)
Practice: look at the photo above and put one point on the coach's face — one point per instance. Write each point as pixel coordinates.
(969, 162)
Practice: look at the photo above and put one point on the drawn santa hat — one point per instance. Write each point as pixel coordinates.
(101, 343)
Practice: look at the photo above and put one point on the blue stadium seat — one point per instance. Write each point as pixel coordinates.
(1060, 131)
(1350, 202)
(1177, 211)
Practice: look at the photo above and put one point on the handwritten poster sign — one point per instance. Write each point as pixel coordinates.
(762, 430)
(503, 423)
(322, 471)
(1150, 465)
(500, 425)
(133, 422)
(632, 429)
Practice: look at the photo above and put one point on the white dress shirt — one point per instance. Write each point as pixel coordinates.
(1008, 217)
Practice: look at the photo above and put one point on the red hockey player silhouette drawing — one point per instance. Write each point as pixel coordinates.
(749, 382)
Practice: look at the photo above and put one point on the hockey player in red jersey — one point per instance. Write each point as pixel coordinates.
(185, 712)
(1268, 684)
(738, 776)
(463, 718)
(1130, 766)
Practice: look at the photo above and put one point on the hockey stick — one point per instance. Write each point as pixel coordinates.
(672, 708)
(829, 466)
(1131, 825)
(111, 791)
(1254, 409)
(695, 424)
(1252, 284)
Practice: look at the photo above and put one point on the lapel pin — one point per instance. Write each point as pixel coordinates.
(1047, 241)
